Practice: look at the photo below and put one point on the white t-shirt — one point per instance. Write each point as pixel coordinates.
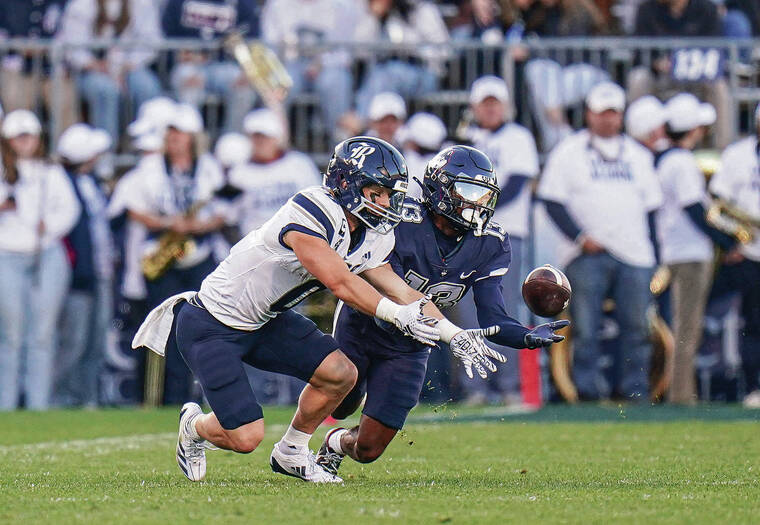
(263, 277)
(267, 187)
(155, 191)
(512, 151)
(43, 192)
(608, 196)
(682, 185)
(738, 182)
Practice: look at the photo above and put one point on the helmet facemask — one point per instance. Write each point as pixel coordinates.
(468, 203)
(377, 217)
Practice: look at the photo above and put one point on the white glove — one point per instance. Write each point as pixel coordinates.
(410, 320)
(471, 348)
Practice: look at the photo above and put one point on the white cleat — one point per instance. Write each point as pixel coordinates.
(191, 454)
(302, 466)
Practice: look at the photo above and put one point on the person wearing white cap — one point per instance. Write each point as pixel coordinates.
(38, 207)
(386, 116)
(273, 173)
(175, 192)
(737, 183)
(685, 238)
(600, 189)
(89, 309)
(423, 138)
(645, 121)
(512, 150)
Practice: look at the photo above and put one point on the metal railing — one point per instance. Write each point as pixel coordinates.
(458, 64)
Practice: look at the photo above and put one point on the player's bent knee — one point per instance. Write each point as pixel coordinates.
(246, 442)
(337, 374)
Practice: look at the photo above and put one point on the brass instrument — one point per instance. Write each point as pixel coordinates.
(172, 246)
(261, 67)
(729, 219)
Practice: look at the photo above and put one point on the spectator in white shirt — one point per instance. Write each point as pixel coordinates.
(105, 75)
(38, 208)
(386, 117)
(685, 238)
(600, 188)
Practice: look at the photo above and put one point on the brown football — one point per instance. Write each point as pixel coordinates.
(546, 291)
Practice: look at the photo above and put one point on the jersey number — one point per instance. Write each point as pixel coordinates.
(445, 295)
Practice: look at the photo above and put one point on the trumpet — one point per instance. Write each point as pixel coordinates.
(261, 67)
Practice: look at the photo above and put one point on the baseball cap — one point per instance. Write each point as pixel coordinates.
(387, 103)
(232, 149)
(186, 118)
(425, 130)
(686, 112)
(80, 143)
(264, 122)
(604, 96)
(20, 122)
(489, 86)
(643, 116)
(153, 113)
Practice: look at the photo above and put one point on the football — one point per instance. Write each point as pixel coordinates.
(546, 291)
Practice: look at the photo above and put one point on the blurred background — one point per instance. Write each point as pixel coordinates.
(137, 148)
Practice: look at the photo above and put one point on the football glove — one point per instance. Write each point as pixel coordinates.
(543, 335)
(410, 320)
(469, 346)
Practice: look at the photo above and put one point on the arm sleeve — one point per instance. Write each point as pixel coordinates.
(306, 216)
(489, 302)
(651, 219)
(696, 213)
(562, 219)
(512, 189)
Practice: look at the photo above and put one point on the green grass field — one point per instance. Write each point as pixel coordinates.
(450, 465)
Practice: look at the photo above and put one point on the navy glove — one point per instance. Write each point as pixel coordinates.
(543, 335)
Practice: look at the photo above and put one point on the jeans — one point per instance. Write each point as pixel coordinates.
(84, 325)
(333, 85)
(103, 95)
(594, 278)
(219, 78)
(32, 292)
(408, 80)
(506, 381)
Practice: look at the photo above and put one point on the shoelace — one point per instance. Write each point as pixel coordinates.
(330, 462)
(313, 466)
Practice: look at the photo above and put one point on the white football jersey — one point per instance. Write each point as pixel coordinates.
(683, 185)
(607, 193)
(263, 277)
(738, 182)
(512, 151)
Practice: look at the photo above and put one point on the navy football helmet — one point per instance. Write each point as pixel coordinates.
(362, 161)
(460, 184)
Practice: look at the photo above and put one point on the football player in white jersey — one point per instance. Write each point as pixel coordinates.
(321, 238)
(737, 181)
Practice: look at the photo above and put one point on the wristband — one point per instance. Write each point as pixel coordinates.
(448, 330)
(387, 310)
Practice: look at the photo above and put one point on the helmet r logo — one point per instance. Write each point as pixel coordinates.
(360, 152)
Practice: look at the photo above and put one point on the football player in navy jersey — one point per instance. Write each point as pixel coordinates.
(445, 245)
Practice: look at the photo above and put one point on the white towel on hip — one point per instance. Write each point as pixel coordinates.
(155, 330)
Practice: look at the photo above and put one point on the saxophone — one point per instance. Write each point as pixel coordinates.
(172, 246)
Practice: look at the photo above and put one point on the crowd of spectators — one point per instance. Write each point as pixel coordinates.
(73, 233)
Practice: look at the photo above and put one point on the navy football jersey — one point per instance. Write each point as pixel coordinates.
(417, 257)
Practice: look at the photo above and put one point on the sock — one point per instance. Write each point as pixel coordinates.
(294, 441)
(192, 431)
(334, 440)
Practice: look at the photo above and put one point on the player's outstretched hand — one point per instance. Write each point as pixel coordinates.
(470, 347)
(543, 335)
(412, 322)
